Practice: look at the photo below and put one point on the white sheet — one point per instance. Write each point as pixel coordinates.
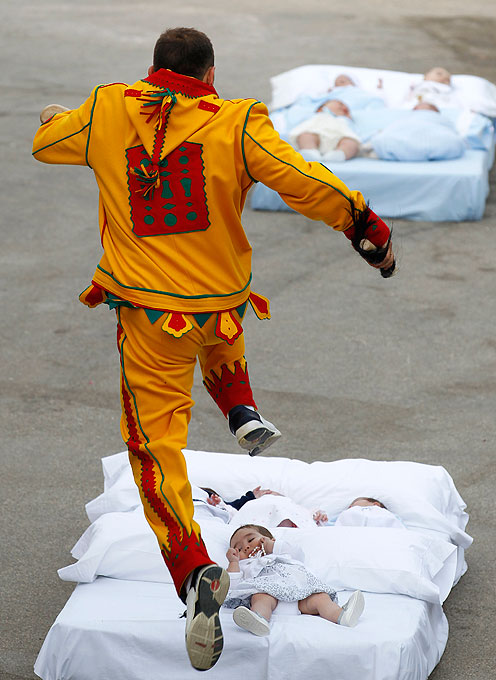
(130, 630)
(124, 621)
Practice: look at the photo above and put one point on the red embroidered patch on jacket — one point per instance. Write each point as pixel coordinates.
(178, 204)
(132, 93)
(208, 106)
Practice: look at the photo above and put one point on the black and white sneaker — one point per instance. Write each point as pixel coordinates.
(204, 640)
(253, 432)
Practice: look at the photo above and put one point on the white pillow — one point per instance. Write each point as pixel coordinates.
(478, 93)
(424, 496)
(121, 545)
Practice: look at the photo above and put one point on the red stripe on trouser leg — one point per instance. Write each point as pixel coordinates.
(231, 389)
(155, 435)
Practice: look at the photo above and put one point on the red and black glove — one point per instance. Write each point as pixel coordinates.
(367, 226)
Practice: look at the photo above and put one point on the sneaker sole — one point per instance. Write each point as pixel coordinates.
(204, 639)
(264, 442)
(246, 619)
(256, 437)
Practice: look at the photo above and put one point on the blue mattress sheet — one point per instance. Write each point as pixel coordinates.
(437, 191)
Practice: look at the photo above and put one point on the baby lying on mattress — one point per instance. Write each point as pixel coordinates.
(264, 572)
(349, 121)
(257, 506)
(332, 134)
(272, 509)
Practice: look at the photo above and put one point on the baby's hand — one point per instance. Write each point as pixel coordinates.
(320, 517)
(232, 555)
(258, 492)
(213, 499)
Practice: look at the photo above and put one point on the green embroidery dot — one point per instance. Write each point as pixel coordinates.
(191, 216)
(145, 162)
(189, 204)
(183, 160)
(185, 172)
(148, 219)
(169, 206)
(148, 207)
(170, 220)
(182, 148)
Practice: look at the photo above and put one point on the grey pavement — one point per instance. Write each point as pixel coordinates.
(350, 365)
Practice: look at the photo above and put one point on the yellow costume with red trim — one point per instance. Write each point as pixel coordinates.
(174, 164)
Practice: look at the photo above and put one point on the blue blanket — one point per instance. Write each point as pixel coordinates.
(418, 136)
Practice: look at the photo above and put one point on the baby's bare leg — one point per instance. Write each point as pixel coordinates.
(320, 604)
(308, 140)
(350, 147)
(263, 604)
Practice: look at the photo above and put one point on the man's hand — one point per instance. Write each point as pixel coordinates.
(388, 260)
(51, 110)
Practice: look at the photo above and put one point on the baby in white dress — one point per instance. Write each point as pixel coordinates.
(264, 571)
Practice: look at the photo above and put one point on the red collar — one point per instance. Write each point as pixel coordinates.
(190, 87)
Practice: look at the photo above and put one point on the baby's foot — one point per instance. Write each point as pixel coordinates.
(251, 621)
(352, 610)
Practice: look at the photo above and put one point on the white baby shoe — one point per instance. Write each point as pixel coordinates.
(251, 621)
(352, 610)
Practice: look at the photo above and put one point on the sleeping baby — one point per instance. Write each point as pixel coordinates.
(364, 511)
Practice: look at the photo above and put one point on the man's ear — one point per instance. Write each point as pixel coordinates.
(209, 76)
(151, 69)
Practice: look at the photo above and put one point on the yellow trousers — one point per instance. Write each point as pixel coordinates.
(156, 381)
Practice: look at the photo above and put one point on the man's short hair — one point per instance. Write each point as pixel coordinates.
(185, 51)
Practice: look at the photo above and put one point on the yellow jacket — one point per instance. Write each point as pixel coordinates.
(174, 164)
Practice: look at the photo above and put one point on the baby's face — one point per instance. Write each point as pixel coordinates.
(248, 542)
(439, 75)
(337, 107)
(425, 106)
(343, 81)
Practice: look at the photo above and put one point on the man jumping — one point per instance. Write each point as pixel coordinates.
(174, 164)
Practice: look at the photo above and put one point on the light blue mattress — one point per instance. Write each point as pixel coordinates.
(434, 191)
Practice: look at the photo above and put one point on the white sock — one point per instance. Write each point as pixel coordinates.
(311, 155)
(336, 155)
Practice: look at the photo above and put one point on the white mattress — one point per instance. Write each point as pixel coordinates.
(129, 630)
(122, 620)
(436, 191)
(453, 190)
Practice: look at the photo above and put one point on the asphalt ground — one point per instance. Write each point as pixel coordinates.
(350, 365)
